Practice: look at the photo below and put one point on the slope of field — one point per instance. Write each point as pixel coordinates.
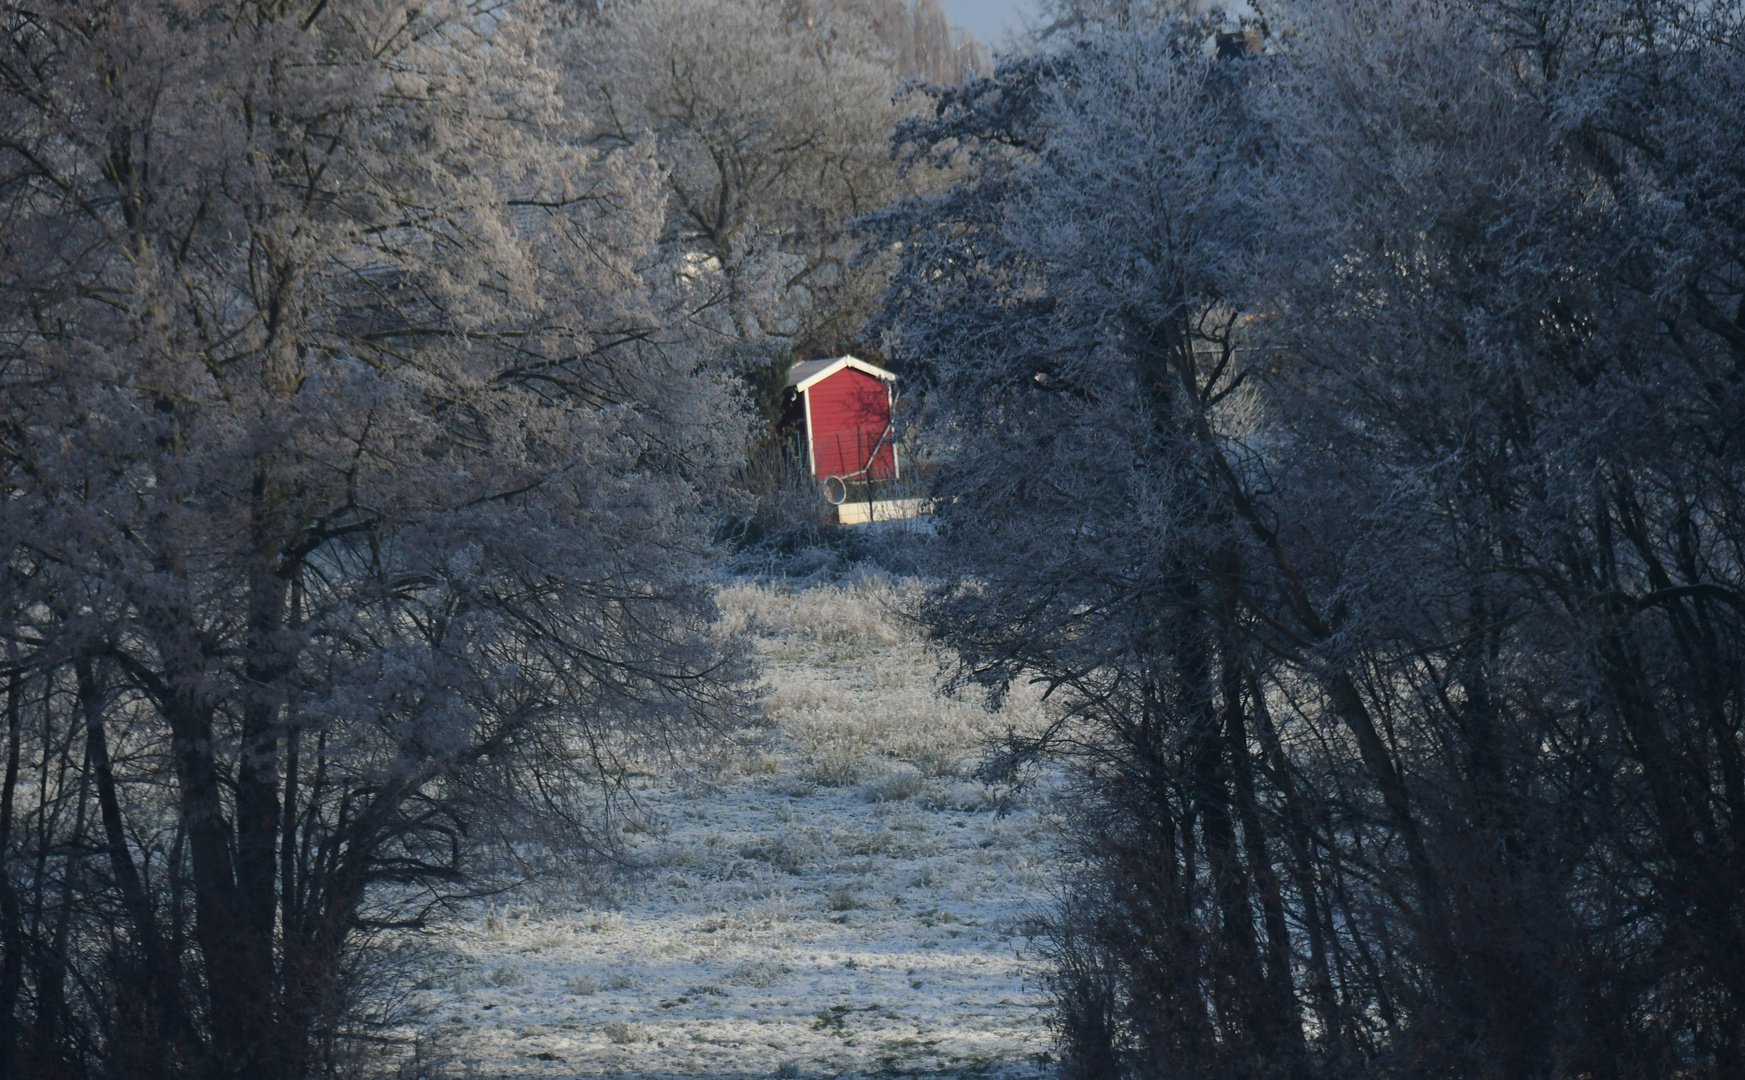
(838, 900)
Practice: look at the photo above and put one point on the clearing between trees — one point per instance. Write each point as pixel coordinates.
(839, 897)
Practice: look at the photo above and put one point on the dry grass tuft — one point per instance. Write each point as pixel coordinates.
(844, 900)
(901, 782)
(507, 975)
(758, 974)
(856, 693)
(582, 985)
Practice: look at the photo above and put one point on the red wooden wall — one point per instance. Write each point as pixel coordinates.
(851, 411)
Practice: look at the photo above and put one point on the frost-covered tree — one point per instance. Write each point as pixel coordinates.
(1078, 322)
(1517, 326)
(355, 455)
(920, 43)
(1342, 436)
(772, 121)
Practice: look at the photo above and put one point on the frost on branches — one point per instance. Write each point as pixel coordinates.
(1347, 437)
(771, 119)
(355, 453)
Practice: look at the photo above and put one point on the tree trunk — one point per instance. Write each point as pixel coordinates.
(48, 1053)
(11, 927)
(237, 1045)
(149, 995)
(257, 799)
(1282, 1019)
(1300, 842)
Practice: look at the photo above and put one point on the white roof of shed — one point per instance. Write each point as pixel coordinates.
(803, 377)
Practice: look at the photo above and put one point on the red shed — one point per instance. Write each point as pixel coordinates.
(842, 409)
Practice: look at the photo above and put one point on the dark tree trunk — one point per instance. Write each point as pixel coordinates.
(150, 1021)
(1281, 1020)
(1303, 864)
(11, 924)
(49, 1059)
(235, 1042)
(256, 1045)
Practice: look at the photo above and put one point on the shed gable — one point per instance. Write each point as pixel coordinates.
(848, 417)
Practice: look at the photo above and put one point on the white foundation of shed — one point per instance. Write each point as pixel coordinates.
(860, 513)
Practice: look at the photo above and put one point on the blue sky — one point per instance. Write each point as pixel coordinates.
(987, 19)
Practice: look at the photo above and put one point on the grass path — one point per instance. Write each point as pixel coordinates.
(842, 901)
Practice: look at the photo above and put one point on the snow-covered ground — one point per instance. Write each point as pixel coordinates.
(840, 900)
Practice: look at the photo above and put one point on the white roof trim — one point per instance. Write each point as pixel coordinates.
(805, 382)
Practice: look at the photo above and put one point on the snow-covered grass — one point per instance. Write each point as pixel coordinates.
(838, 898)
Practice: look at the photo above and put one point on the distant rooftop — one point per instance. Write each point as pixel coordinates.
(801, 372)
(801, 376)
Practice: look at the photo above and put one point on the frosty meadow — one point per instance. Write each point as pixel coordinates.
(836, 896)
(1306, 640)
